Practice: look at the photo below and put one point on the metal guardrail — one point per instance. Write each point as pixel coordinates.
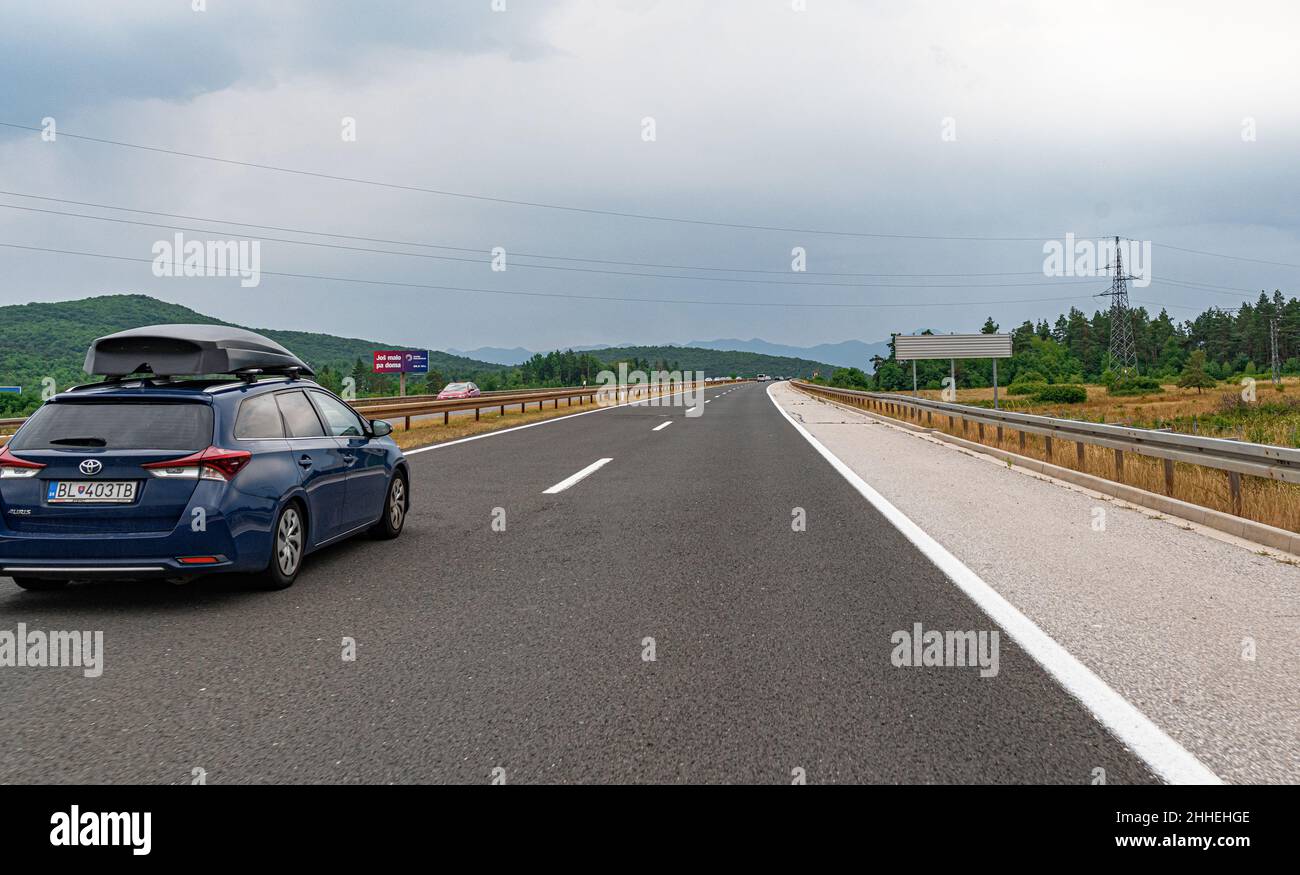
(410, 406)
(378, 400)
(1235, 457)
(403, 408)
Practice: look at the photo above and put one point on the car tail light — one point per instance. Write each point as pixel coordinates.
(12, 466)
(214, 463)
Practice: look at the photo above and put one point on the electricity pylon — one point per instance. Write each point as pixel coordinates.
(1123, 352)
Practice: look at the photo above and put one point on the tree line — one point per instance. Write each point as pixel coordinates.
(1075, 349)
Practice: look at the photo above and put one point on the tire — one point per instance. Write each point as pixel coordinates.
(40, 584)
(288, 545)
(395, 506)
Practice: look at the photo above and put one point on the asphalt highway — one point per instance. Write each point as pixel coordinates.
(526, 650)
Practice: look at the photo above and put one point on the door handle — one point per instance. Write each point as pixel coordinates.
(305, 461)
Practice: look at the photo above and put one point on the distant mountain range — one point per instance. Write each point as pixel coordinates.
(497, 355)
(50, 339)
(846, 354)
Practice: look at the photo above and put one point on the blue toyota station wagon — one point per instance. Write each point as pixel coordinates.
(156, 476)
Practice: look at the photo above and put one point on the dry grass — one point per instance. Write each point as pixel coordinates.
(1266, 501)
(432, 431)
(1274, 418)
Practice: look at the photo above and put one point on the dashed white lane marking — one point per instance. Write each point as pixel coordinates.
(1166, 757)
(689, 409)
(569, 481)
(663, 426)
(501, 431)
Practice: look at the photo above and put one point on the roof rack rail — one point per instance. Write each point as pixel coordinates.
(120, 380)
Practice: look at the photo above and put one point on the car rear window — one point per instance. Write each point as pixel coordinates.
(259, 417)
(299, 416)
(120, 425)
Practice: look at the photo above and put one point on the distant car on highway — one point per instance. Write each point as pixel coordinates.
(144, 476)
(459, 390)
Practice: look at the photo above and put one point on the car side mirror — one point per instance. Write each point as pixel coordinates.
(380, 428)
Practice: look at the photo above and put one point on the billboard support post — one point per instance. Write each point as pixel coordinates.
(915, 347)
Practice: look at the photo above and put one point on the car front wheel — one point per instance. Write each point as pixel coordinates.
(395, 507)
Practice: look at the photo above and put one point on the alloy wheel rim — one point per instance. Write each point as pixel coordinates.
(397, 504)
(288, 542)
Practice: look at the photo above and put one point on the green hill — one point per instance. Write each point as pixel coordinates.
(50, 340)
(716, 362)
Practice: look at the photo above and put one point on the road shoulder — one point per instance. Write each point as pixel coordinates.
(1163, 613)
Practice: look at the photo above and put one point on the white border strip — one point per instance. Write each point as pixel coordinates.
(1166, 757)
(488, 434)
(574, 478)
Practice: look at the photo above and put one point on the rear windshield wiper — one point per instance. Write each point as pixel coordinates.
(80, 442)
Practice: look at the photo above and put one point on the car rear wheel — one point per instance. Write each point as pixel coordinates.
(40, 584)
(395, 506)
(288, 541)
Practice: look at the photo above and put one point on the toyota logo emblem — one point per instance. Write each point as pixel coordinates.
(91, 467)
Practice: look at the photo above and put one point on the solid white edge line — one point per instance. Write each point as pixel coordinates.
(488, 434)
(665, 425)
(574, 478)
(1167, 758)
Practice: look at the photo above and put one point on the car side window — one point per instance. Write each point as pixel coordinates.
(259, 418)
(340, 419)
(299, 416)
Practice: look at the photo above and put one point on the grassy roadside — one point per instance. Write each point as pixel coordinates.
(432, 431)
(1273, 418)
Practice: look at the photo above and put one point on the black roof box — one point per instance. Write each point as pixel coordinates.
(172, 350)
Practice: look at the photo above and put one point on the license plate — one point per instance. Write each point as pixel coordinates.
(91, 491)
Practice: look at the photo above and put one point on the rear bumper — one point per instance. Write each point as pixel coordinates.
(236, 532)
(244, 548)
(106, 570)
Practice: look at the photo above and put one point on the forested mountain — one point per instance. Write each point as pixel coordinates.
(42, 340)
(713, 362)
(50, 339)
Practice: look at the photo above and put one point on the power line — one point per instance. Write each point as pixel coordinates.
(483, 261)
(480, 249)
(1223, 255)
(1189, 284)
(567, 295)
(604, 212)
(622, 214)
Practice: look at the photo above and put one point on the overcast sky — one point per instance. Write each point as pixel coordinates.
(1175, 122)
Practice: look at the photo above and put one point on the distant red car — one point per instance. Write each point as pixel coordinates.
(459, 390)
